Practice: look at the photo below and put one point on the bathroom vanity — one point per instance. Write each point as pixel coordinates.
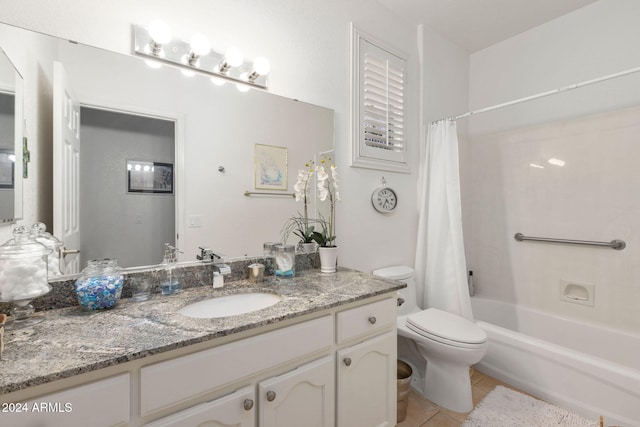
(324, 355)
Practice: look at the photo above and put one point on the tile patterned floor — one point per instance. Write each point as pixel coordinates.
(423, 413)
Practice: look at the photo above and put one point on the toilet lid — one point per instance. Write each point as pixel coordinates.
(447, 326)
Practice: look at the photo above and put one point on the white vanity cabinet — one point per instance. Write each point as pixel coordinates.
(183, 379)
(236, 409)
(366, 371)
(304, 396)
(366, 388)
(337, 369)
(99, 403)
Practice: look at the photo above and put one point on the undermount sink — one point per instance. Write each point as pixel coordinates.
(230, 305)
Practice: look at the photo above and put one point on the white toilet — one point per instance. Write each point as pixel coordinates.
(448, 343)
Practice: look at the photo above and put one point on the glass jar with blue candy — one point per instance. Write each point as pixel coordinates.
(100, 284)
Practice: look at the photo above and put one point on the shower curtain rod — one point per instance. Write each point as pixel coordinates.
(543, 94)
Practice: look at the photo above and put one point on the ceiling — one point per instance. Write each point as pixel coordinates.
(477, 24)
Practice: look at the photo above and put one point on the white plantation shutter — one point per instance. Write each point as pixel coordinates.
(379, 105)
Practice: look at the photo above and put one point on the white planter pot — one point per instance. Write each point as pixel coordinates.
(307, 248)
(328, 259)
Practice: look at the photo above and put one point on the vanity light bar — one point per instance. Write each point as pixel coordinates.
(180, 54)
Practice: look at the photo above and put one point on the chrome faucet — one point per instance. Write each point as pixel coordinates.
(207, 254)
(219, 268)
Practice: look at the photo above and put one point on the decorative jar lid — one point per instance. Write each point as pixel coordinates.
(41, 235)
(23, 245)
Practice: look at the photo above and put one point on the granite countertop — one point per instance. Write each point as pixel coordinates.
(71, 341)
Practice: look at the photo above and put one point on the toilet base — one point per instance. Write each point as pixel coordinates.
(448, 385)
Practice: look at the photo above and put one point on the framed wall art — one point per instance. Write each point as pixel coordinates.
(270, 167)
(149, 177)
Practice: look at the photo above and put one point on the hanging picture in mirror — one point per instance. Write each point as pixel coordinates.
(149, 177)
(270, 167)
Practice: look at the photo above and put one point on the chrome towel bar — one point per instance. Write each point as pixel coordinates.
(614, 244)
(264, 193)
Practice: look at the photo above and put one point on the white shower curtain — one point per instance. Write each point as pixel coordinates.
(440, 260)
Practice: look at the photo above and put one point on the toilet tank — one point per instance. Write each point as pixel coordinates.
(404, 274)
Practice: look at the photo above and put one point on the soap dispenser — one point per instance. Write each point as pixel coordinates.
(170, 285)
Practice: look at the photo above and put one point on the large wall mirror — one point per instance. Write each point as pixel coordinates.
(10, 140)
(113, 113)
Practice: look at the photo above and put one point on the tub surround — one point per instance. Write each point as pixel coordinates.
(71, 341)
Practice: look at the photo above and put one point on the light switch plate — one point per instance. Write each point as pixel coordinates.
(195, 221)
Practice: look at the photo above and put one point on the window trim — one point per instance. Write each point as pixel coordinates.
(362, 155)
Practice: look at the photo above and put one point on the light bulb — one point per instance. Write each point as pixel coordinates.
(200, 44)
(160, 32)
(187, 73)
(261, 66)
(233, 56)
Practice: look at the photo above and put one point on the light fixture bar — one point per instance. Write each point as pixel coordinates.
(174, 52)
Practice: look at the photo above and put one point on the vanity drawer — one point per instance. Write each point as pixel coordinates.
(365, 319)
(100, 403)
(178, 380)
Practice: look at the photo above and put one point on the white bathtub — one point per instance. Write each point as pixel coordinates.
(585, 368)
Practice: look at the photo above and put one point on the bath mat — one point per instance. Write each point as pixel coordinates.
(504, 407)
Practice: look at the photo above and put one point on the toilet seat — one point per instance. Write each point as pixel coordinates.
(446, 328)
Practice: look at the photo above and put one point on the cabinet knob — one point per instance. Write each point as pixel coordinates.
(248, 404)
(372, 320)
(347, 361)
(271, 396)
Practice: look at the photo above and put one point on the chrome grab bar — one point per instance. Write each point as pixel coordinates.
(614, 244)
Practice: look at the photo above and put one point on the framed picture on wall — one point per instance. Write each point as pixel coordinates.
(149, 177)
(7, 169)
(270, 167)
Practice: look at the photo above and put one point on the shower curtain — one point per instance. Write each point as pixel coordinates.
(440, 260)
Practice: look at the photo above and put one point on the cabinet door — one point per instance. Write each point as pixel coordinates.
(367, 383)
(234, 410)
(302, 397)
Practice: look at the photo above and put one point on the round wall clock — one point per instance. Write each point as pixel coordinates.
(384, 199)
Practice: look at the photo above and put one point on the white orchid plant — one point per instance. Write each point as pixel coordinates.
(328, 188)
(301, 225)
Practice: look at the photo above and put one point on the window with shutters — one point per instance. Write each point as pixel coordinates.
(378, 101)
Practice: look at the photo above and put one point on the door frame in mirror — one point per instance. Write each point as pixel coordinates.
(19, 140)
(179, 147)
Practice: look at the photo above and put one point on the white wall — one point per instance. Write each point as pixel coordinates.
(592, 198)
(591, 42)
(307, 43)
